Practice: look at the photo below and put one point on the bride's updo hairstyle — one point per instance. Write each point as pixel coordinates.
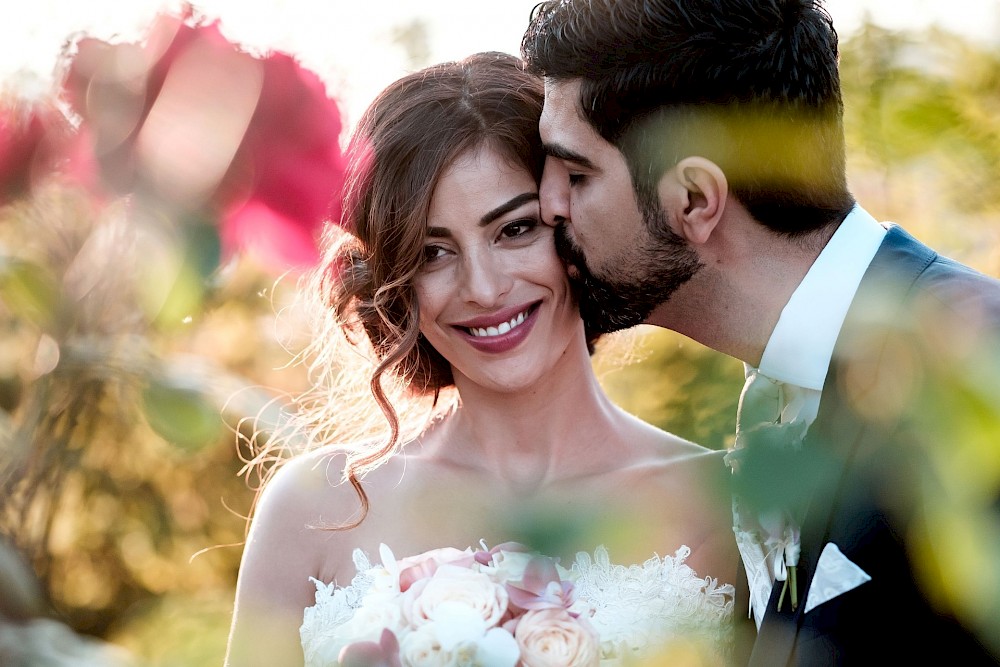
(362, 293)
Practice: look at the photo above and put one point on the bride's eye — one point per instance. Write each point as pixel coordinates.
(518, 228)
(433, 253)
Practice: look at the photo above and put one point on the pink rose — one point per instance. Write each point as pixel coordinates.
(196, 125)
(421, 566)
(484, 557)
(290, 160)
(34, 139)
(541, 587)
(554, 638)
(384, 653)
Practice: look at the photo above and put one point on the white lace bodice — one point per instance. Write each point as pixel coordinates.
(636, 609)
(663, 599)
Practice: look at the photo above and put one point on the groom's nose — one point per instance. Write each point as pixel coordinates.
(553, 193)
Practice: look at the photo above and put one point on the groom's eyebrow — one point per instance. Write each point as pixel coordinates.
(562, 153)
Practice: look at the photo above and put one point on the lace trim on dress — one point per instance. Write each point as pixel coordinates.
(335, 606)
(639, 607)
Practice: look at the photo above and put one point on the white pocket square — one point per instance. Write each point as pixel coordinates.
(835, 575)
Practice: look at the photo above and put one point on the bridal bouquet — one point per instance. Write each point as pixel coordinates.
(496, 607)
(509, 607)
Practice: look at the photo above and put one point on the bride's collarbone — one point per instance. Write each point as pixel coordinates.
(555, 522)
(429, 488)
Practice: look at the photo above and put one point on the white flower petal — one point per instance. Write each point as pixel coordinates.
(456, 623)
(498, 649)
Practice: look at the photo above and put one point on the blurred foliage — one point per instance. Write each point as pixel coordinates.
(673, 382)
(141, 231)
(123, 374)
(180, 629)
(118, 466)
(923, 133)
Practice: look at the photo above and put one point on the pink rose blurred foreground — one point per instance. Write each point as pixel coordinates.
(194, 124)
(34, 141)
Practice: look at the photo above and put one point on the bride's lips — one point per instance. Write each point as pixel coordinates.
(484, 332)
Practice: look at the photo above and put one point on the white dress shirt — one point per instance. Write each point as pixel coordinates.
(801, 345)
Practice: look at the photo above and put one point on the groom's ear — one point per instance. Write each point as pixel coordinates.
(697, 189)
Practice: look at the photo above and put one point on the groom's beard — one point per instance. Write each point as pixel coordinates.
(652, 273)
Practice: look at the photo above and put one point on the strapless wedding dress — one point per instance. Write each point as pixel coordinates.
(636, 609)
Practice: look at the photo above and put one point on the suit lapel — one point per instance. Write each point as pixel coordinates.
(776, 636)
(837, 430)
(882, 296)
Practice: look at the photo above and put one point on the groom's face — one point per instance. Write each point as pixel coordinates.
(621, 253)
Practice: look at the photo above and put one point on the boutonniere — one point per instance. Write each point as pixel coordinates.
(768, 502)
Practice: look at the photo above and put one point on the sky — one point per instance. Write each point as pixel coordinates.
(349, 42)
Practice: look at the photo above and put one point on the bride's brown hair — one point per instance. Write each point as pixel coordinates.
(362, 291)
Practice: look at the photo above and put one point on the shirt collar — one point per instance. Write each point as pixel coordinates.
(801, 345)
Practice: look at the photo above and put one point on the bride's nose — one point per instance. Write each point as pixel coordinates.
(484, 278)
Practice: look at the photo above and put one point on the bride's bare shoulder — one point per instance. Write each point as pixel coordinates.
(669, 465)
(308, 489)
(305, 475)
(657, 447)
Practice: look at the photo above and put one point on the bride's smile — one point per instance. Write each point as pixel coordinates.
(492, 330)
(504, 336)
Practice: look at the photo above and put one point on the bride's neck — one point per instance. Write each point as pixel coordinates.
(552, 431)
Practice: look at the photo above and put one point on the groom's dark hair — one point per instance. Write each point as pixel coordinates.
(750, 84)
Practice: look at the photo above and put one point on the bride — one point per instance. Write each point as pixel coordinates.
(492, 428)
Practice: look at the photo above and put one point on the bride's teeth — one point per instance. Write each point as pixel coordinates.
(500, 329)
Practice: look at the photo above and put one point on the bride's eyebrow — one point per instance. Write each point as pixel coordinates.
(507, 207)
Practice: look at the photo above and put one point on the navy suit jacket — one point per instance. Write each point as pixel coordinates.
(918, 321)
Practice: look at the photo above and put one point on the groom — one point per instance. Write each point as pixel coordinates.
(696, 175)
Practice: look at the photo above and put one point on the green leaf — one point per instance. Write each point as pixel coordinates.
(29, 290)
(181, 415)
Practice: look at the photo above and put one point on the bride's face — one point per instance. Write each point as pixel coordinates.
(494, 298)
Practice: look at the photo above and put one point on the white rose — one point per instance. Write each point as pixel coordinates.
(497, 648)
(422, 648)
(553, 638)
(372, 617)
(451, 584)
(459, 636)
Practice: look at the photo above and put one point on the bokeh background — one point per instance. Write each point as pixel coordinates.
(146, 273)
